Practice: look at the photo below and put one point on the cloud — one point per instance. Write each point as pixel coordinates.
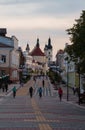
(38, 22)
(18, 10)
(10, 2)
(28, 19)
(56, 8)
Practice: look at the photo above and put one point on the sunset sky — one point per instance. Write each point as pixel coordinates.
(29, 19)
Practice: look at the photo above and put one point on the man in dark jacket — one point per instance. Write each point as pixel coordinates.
(31, 91)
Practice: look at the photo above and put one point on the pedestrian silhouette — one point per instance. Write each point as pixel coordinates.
(74, 90)
(14, 91)
(34, 78)
(40, 92)
(31, 91)
(60, 93)
(43, 82)
(6, 87)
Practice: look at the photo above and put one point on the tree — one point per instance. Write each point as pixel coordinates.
(54, 76)
(77, 37)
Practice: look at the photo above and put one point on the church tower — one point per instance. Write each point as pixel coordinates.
(48, 50)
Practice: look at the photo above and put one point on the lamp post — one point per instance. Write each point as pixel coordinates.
(79, 84)
(78, 70)
(67, 83)
(79, 88)
(66, 62)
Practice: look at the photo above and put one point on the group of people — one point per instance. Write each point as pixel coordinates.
(39, 91)
(60, 92)
(30, 91)
(4, 87)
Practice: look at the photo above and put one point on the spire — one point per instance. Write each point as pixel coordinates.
(49, 43)
(37, 45)
(27, 47)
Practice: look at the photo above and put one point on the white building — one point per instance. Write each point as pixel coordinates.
(70, 70)
(10, 56)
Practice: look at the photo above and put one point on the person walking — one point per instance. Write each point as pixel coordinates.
(34, 78)
(60, 93)
(74, 90)
(14, 91)
(40, 92)
(6, 87)
(31, 91)
(43, 83)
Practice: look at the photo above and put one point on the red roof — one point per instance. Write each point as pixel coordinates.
(60, 51)
(37, 52)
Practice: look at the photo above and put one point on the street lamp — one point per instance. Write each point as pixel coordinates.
(79, 83)
(66, 59)
(78, 71)
(67, 83)
(79, 86)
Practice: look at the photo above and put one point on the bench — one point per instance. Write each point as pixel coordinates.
(82, 98)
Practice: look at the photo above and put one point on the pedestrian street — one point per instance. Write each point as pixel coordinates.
(45, 113)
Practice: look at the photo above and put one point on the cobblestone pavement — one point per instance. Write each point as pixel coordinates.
(46, 113)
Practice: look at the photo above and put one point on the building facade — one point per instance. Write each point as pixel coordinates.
(9, 56)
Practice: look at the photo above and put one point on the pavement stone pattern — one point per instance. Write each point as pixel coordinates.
(46, 113)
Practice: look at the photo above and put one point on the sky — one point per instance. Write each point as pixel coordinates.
(32, 19)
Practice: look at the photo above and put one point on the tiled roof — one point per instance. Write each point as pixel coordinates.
(37, 52)
(60, 51)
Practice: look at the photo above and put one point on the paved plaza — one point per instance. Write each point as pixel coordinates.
(46, 113)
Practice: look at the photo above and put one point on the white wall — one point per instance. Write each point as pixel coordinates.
(14, 59)
(15, 42)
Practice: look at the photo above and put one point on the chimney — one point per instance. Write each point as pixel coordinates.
(3, 32)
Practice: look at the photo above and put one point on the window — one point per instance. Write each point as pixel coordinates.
(3, 58)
